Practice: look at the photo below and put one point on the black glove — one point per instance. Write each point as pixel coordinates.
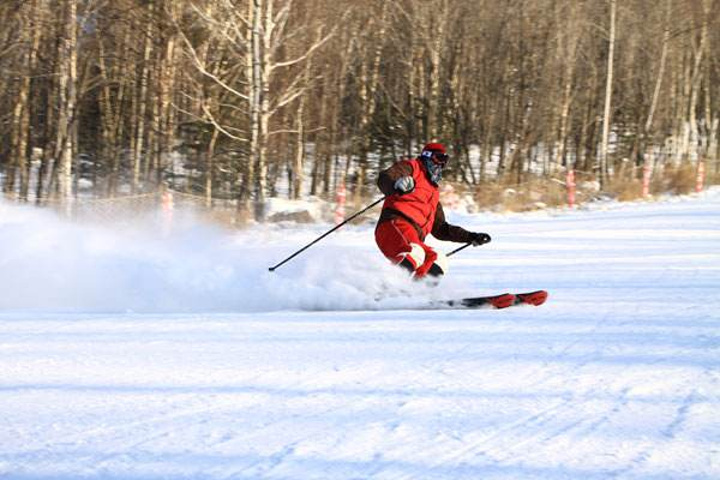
(404, 185)
(478, 239)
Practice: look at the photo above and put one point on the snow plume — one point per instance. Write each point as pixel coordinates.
(50, 264)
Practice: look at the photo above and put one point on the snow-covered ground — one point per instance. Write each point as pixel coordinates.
(137, 353)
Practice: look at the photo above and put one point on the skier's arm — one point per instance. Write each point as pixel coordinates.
(451, 233)
(388, 177)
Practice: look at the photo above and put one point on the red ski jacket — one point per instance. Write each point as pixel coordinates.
(421, 207)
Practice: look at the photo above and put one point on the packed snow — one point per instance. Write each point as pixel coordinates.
(140, 352)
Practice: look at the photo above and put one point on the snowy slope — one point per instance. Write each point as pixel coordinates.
(128, 354)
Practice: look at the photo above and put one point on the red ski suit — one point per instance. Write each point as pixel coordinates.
(407, 219)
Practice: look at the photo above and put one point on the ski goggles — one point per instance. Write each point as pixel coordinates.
(438, 158)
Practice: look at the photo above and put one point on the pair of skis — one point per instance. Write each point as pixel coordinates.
(504, 300)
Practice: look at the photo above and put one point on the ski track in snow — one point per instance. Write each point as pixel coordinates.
(126, 354)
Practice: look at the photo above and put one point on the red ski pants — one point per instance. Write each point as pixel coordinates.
(396, 239)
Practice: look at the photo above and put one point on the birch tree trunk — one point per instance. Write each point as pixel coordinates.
(141, 100)
(603, 161)
(209, 167)
(43, 189)
(67, 104)
(567, 49)
(661, 68)
(267, 46)
(166, 88)
(695, 84)
(21, 114)
(256, 94)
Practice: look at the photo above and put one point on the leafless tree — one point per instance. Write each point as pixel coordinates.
(243, 99)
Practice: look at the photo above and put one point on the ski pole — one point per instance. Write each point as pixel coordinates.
(467, 245)
(272, 269)
(458, 249)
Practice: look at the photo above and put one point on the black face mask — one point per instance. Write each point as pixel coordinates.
(434, 163)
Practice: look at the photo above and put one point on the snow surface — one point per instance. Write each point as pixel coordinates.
(134, 352)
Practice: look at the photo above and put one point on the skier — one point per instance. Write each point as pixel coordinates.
(412, 210)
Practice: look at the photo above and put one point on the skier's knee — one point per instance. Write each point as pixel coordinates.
(414, 258)
(435, 265)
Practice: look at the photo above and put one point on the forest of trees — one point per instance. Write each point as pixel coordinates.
(244, 100)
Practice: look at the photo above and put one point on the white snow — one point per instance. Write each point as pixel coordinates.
(134, 353)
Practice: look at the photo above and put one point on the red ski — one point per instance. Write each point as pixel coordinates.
(535, 298)
(504, 300)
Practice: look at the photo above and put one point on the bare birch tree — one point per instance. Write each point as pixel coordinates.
(604, 148)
